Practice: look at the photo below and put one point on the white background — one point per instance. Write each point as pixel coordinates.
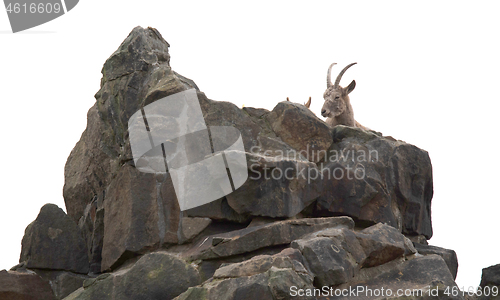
(428, 73)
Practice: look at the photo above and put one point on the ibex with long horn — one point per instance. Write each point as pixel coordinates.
(337, 108)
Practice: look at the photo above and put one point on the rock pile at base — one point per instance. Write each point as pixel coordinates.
(353, 212)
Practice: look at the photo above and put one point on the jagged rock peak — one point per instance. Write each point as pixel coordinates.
(142, 47)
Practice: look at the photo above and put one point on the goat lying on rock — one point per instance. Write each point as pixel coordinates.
(337, 108)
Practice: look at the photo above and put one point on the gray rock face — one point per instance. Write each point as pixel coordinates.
(297, 126)
(328, 261)
(273, 284)
(257, 237)
(382, 243)
(449, 256)
(491, 275)
(62, 283)
(23, 286)
(377, 179)
(277, 187)
(54, 241)
(421, 278)
(490, 284)
(92, 226)
(154, 276)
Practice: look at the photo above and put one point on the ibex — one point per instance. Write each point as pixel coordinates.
(307, 104)
(337, 108)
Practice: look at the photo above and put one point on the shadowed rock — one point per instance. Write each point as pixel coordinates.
(421, 278)
(26, 286)
(273, 284)
(54, 241)
(253, 238)
(154, 276)
(449, 256)
(375, 179)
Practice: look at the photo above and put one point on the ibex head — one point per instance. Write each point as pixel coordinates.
(337, 107)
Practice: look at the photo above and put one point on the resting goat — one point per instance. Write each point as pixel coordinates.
(307, 104)
(337, 108)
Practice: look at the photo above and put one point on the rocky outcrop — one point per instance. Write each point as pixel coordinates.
(325, 262)
(323, 209)
(296, 164)
(53, 241)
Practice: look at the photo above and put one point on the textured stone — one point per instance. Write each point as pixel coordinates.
(381, 243)
(62, 283)
(54, 241)
(253, 238)
(327, 260)
(449, 256)
(377, 180)
(276, 187)
(490, 283)
(92, 226)
(428, 274)
(136, 74)
(262, 263)
(297, 126)
(191, 227)
(154, 276)
(272, 284)
(23, 286)
(131, 217)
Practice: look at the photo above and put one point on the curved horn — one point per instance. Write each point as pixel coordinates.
(308, 103)
(329, 76)
(337, 81)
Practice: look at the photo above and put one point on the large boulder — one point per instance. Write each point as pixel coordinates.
(154, 276)
(62, 283)
(424, 277)
(449, 256)
(375, 179)
(490, 284)
(297, 126)
(382, 243)
(54, 241)
(272, 284)
(23, 286)
(327, 260)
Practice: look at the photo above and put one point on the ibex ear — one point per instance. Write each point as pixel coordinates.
(350, 87)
